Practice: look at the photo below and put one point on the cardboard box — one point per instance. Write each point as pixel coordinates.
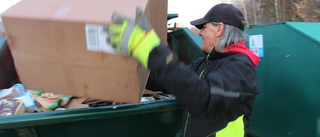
(48, 42)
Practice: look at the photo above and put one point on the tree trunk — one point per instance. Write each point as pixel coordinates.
(284, 11)
(280, 10)
(277, 10)
(244, 5)
(254, 9)
(293, 12)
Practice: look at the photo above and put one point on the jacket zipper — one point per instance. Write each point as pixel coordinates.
(185, 127)
(204, 67)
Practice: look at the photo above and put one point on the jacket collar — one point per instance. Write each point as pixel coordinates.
(216, 55)
(239, 47)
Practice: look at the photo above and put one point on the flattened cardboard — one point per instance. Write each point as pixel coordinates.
(48, 42)
(76, 103)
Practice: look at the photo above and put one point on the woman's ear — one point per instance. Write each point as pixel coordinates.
(220, 29)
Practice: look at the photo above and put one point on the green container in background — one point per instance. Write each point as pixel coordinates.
(288, 104)
(185, 44)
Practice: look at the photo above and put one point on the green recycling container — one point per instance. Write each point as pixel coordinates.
(288, 104)
(185, 44)
(149, 119)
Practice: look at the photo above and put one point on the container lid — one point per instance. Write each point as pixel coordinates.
(308, 29)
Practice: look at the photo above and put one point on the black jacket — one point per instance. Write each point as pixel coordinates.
(225, 90)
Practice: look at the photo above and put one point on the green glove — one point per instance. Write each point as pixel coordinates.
(136, 39)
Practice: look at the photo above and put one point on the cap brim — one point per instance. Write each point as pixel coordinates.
(199, 23)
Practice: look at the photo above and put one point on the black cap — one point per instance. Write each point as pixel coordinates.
(225, 13)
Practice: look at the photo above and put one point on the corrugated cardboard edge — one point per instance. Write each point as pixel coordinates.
(158, 22)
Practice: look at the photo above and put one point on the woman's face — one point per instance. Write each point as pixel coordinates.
(210, 36)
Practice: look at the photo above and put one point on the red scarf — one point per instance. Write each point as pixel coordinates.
(240, 47)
